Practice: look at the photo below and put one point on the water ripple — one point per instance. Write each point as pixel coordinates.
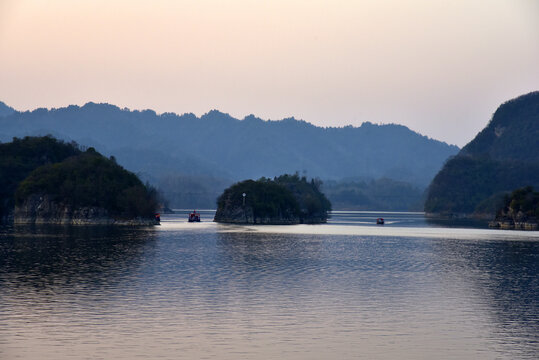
(299, 292)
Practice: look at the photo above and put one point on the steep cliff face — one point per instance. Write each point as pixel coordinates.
(42, 209)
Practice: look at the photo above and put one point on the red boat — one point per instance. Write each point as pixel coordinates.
(194, 216)
(380, 221)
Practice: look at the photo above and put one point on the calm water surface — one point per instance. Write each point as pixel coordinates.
(345, 290)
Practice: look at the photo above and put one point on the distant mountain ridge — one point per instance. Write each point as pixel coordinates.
(219, 145)
(501, 158)
(5, 110)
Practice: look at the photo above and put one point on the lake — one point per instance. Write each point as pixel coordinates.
(349, 289)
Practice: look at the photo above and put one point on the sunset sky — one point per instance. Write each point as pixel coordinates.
(438, 67)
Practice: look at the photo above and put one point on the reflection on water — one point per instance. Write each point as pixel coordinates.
(368, 218)
(503, 276)
(342, 290)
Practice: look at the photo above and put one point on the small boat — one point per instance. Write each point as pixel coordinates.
(380, 221)
(158, 217)
(194, 217)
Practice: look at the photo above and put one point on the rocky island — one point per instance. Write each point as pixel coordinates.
(520, 211)
(47, 181)
(284, 200)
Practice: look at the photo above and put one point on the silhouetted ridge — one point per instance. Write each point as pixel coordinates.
(218, 146)
(5, 110)
(504, 156)
(513, 132)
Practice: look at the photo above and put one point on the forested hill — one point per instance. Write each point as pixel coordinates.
(512, 134)
(42, 177)
(224, 147)
(501, 158)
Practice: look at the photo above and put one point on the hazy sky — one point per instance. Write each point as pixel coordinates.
(439, 67)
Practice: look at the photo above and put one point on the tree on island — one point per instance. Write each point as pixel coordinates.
(91, 180)
(58, 182)
(287, 199)
(21, 156)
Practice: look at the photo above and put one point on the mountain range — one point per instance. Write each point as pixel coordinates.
(219, 149)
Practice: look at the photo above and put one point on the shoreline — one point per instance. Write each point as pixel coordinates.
(86, 222)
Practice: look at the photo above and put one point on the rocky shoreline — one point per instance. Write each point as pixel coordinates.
(511, 224)
(503, 222)
(246, 216)
(41, 209)
(249, 219)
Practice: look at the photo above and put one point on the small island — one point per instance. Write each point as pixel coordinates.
(47, 181)
(520, 211)
(284, 200)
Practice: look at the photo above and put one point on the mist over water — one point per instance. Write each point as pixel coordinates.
(346, 289)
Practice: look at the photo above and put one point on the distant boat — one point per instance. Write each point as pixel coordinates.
(158, 217)
(380, 221)
(194, 217)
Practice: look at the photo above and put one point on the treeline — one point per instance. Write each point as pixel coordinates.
(220, 146)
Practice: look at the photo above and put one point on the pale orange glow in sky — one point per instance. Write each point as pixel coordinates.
(439, 67)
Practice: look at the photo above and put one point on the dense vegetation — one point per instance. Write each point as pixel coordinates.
(285, 199)
(466, 184)
(524, 201)
(21, 156)
(265, 198)
(90, 179)
(518, 210)
(313, 204)
(44, 165)
(502, 157)
(218, 150)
